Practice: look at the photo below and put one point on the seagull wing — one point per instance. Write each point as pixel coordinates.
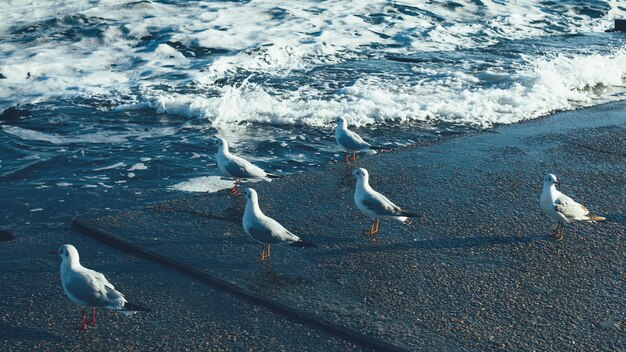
(379, 204)
(570, 209)
(268, 230)
(93, 290)
(242, 168)
(352, 141)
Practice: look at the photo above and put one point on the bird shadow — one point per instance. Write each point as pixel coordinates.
(268, 279)
(618, 218)
(441, 244)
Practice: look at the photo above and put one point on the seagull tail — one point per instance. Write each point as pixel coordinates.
(130, 308)
(593, 217)
(302, 243)
(273, 175)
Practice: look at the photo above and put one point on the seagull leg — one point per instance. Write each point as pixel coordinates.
(559, 232)
(235, 190)
(347, 155)
(268, 250)
(263, 254)
(93, 316)
(373, 228)
(353, 156)
(84, 320)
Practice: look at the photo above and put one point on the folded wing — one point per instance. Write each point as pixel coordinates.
(380, 205)
(94, 290)
(570, 209)
(241, 168)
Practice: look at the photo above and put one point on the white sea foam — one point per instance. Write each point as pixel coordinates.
(33, 135)
(542, 85)
(138, 166)
(114, 166)
(277, 39)
(203, 184)
(99, 137)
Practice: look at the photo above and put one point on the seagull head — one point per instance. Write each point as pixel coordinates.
(250, 195)
(550, 179)
(67, 252)
(221, 143)
(361, 174)
(341, 121)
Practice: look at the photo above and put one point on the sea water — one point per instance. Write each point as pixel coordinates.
(122, 98)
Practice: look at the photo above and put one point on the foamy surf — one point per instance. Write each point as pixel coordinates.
(205, 184)
(536, 88)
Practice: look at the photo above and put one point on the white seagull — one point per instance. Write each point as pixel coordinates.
(375, 204)
(562, 208)
(237, 167)
(350, 141)
(264, 229)
(89, 288)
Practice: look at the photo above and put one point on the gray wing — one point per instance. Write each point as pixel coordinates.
(269, 231)
(380, 205)
(570, 208)
(352, 141)
(242, 168)
(94, 290)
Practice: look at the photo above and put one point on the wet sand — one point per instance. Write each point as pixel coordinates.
(477, 269)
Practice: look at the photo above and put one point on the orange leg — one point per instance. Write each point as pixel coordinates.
(374, 227)
(235, 190)
(347, 155)
(93, 316)
(558, 235)
(353, 156)
(265, 253)
(84, 320)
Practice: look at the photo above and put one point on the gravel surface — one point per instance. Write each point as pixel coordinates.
(186, 315)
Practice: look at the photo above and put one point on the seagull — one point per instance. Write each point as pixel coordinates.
(237, 167)
(562, 208)
(89, 288)
(375, 204)
(350, 141)
(264, 229)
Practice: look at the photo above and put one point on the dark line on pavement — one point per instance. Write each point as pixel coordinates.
(311, 319)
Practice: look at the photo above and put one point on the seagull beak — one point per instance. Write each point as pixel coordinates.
(54, 252)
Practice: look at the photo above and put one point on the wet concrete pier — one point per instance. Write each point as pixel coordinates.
(477, 270)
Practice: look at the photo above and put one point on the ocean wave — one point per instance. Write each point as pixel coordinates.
(541, 86)
(248, 62)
